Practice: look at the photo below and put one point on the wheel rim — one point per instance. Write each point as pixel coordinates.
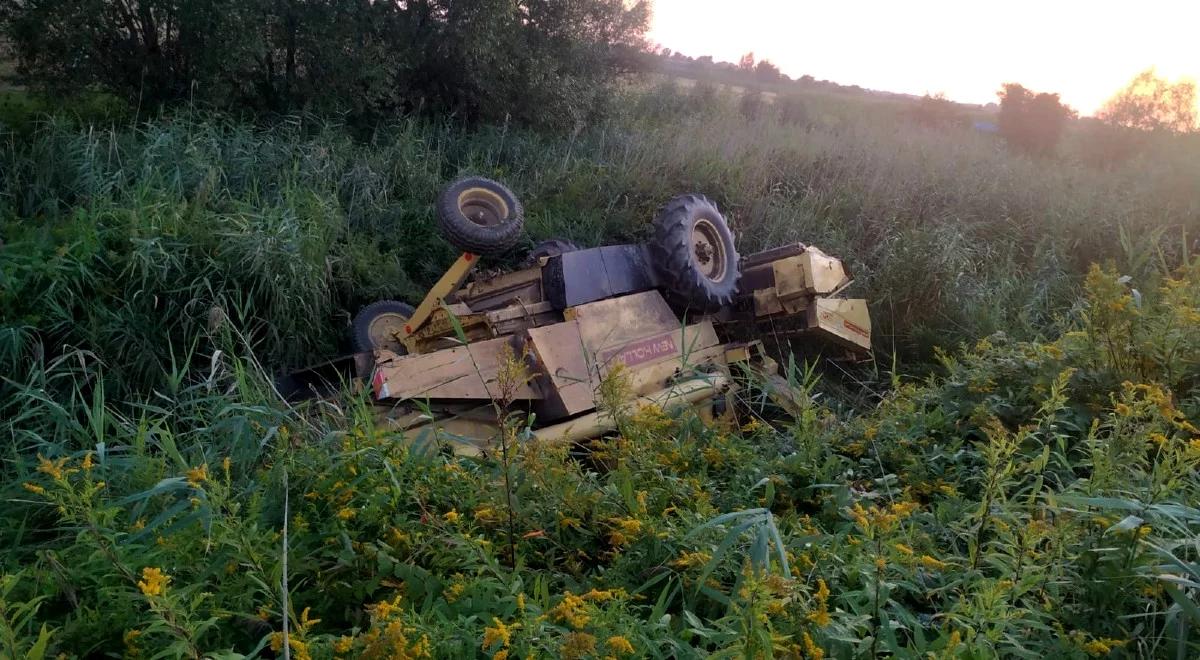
(384, 329)
(708, 251)
(482, 206)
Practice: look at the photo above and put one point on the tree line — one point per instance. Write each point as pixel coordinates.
(539, 62)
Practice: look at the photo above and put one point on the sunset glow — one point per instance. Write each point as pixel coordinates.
(1085, 51)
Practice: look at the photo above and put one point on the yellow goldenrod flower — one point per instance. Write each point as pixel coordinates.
(346, 513)
(577, 645)
(811, 650)
(691, 560)
(1099, 647)
(132, 649)
(306, 622)
(904, 549)
(197, 475)
(53, 468)
(451, 516)
(154, 582)
(87, 464)
(820, 616)
(456, 588)
(619, 644)
(298, 647)
(384, 609)
(627, 529)
(422, 649)
(497, 632)
(33, 488)
(502, 654)
(933, 563)
(343, 644)
(572, 610)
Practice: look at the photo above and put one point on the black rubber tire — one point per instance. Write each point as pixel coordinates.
(700, 283)
(548, 248)
(480, 216)
(360, 326)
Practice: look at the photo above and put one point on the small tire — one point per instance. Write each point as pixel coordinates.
(480, 216)
(375, 325)
(548, 248)
(694, 254)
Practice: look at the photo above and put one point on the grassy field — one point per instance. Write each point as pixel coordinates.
(1015, 476)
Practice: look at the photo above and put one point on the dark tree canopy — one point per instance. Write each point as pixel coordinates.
(766, 71)
(1151, 103)
(1032, 122)
(535, 61)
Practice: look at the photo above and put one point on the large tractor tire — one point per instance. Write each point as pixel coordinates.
(548, 248)
(694, 254)
(480, 216)
(378, 324)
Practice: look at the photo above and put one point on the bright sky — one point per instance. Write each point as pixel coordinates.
(966, 49)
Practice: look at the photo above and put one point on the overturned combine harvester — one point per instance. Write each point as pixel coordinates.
(678, 312)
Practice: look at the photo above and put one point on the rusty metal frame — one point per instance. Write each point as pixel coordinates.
(449, 283)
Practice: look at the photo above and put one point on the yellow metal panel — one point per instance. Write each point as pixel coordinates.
(822, 273)
(844, 320)
(616, 321)
(559, 352)
(463, 372)
(766, 302)
(791, 276)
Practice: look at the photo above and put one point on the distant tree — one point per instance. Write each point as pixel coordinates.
(766, 71)
(532, 61)
(1031, 122)
(666, 52)
(1151, 103)
(746, 63)
(705, 60)
(807, 79)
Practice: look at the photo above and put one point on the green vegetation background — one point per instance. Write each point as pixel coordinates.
(1028, 490)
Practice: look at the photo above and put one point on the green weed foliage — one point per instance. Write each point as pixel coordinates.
(1034, 495)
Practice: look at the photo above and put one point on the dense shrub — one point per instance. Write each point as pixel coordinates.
(547, 64)
(937, 111)
(751, 104)
(1032, 122)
